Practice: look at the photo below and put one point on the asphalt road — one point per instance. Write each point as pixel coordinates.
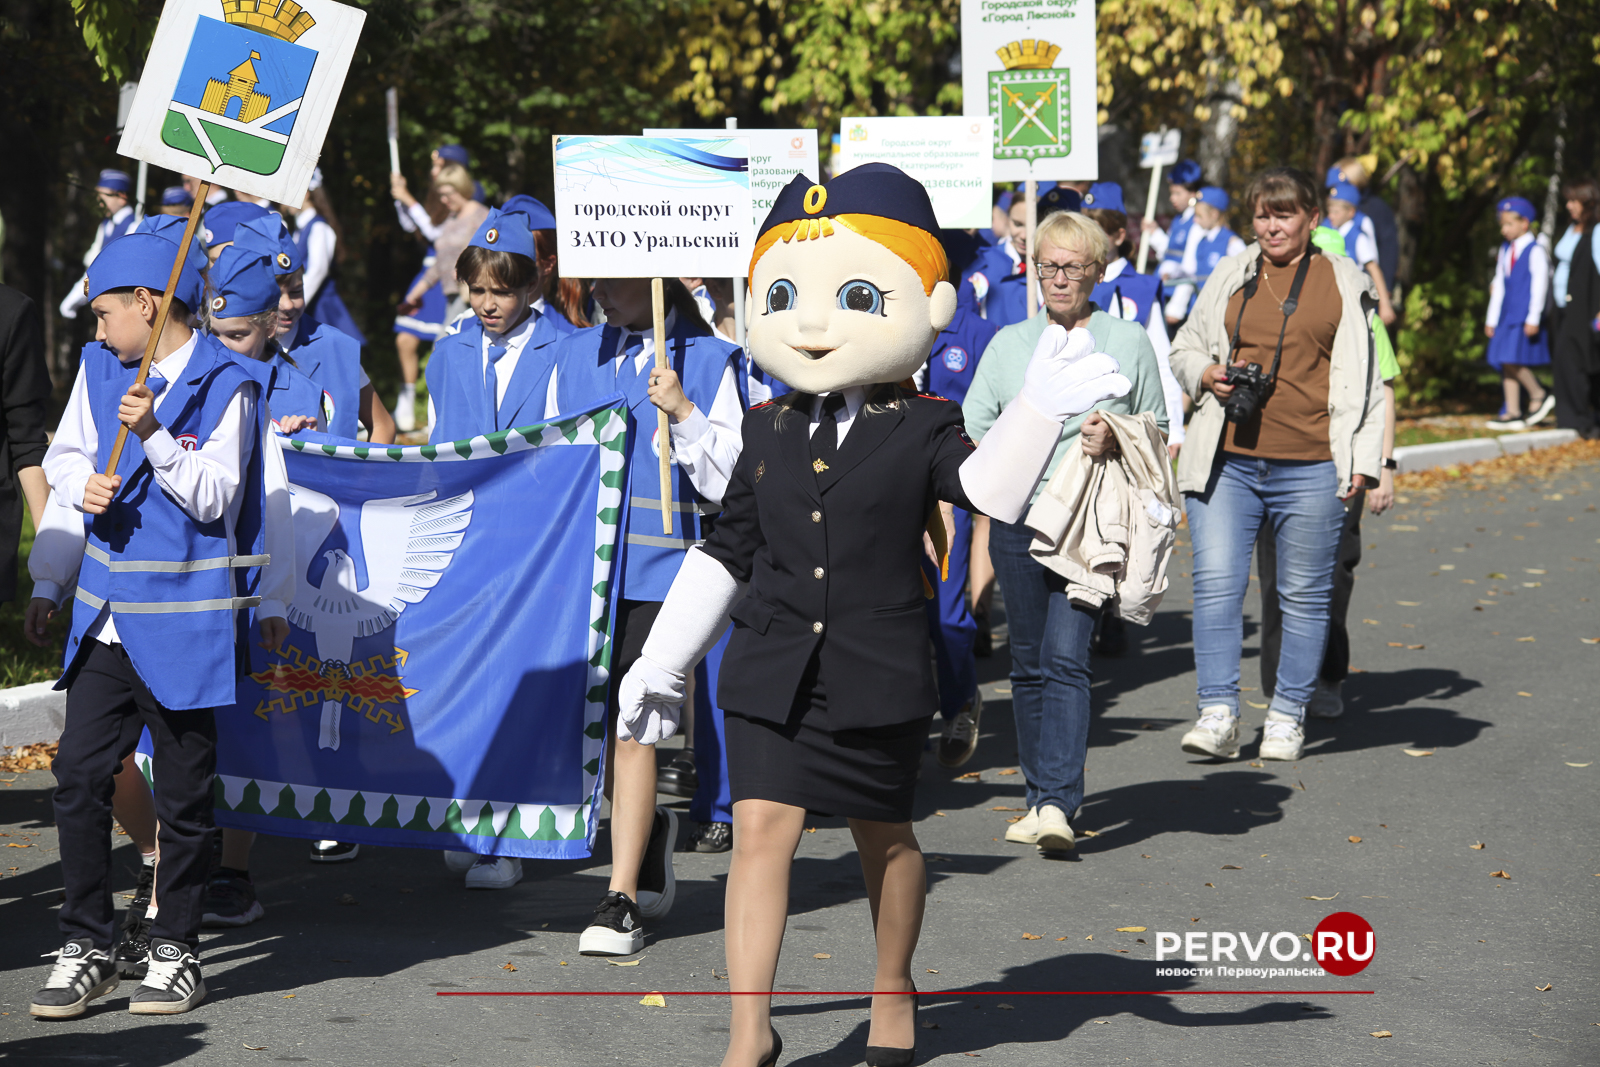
(1503, 697)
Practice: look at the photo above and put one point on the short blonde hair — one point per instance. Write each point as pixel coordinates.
(1074, 232)
(456, 177)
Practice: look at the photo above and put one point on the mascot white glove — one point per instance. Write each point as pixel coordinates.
(1065, 377)
(650, 698)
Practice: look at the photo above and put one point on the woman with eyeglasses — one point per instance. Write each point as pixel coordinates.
(1050, 634)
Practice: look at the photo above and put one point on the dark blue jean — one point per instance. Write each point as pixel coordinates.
(1050, 673)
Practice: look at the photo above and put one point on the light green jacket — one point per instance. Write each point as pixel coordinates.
(999, 377)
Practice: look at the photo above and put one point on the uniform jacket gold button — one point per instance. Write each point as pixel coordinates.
(816, 627)
(817, 573)
(816, 516)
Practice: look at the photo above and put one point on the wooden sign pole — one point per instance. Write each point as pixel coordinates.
(1032, 195)
(160, 327)
(658, 308)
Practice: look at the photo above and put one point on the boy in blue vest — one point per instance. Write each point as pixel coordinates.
(1183, 187)
(174, 546)
(1209, 241)
(701, 390)
(1360, 239)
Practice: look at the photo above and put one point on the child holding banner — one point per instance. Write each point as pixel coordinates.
(154, 642)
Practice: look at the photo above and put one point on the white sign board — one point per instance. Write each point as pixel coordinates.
(776, 156)
(1030, 65)
(1159, 149)
(653, 207)
(948, 154)
(241, 91)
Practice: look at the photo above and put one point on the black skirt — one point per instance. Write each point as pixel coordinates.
(858, 774)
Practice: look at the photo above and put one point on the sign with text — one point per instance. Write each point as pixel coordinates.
(241, 92)
(948, 154)
(776, 156)
(1030, 66)
(1160, 149)
(653, 207)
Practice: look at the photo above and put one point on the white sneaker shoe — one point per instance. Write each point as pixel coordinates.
(1025, 831)
(1327, 700)
(1216, 734)
(1282, 738)
(459, 862)
(405, 410)
(1546, 406)
(494, 872)
(1055, 833)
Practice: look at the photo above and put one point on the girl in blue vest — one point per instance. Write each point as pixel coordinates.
(1514, 322)
(316, 232)
(1005, 299)
(1345, 218)
(701, 390)
(1183, 185)
(1208, 242)
(154, 643)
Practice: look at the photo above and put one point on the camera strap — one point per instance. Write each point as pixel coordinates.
(1289, 306)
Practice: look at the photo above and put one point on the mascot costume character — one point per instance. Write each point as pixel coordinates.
(816, 559)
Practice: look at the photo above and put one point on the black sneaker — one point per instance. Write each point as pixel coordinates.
(81, 973)
(657, 886)
(333, 851)
(231, 901)
(713, 837)
(959, 739)
(135, 941)
(172, 985)
(678, 778)
(615, 929)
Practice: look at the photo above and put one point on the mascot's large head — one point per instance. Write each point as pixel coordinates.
(847, 282)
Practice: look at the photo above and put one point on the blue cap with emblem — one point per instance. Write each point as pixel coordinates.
(1519, 204)
(142, 260)
(241, 282)
(220, 220)
(170, 228)
(1057, 198)
(1343, 190)
(176, 196)
(269, 236)
(454, 153)
(505, 231)
(539, 216)
(1185, 172)
(116, 181)
(1216, 197)
(871, 189)
(1105, 196)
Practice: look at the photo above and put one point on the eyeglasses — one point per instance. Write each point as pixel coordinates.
(1075, 272)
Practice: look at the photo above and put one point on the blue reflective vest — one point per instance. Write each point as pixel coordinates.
(1351, 236)
(585, 373)
(456, 385)
(175, 586)
(1128, 296)
(1007, 300)
(331, 359)
(956, 352)
(1177, 241)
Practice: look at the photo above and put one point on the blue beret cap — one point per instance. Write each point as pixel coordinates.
(269, 236)
(539, 216)
(454, 153)
(243, 281)
(505, 231)
(870, 189)
(1004, 203)
(1106, 196)
(174, 195)
(1217, 198)
(1185, 172)
(142, 259)
(115, 180)
(220, 220)
(170, 228)
(1342, 190)
(1057, 198)
(1521, 205)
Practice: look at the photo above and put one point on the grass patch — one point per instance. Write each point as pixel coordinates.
(21, 662)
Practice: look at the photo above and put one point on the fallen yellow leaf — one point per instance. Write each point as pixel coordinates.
(1253, 704)
(1570, 764)
(1525, 640)
(1500, 874)
(1063, 939)
(1008, 770)
(1089, 938)
(1132, 929)
(1005, 1007)
(507, 967)
(1088, 833)
(930, 970)
(1520, 693)
(1419, 751)
(941, 815)
(1397, 644)
(1409, 603)
(1002, 807)
(1353, 839)
(1416, 648)
(1320, 898)
(623, 963)
(1494, 574)
(970, 774)
(1232, 867)
(1480, 846)
(288, 996)
(654, 1000)
(822, 956)
(1544, 988)
(255, 1048)
(1031, 937)
(1372, 622)
(1381, 1033)
(1590, 640)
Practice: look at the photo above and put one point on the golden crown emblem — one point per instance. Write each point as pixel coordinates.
(1028, 55)
(283, 19)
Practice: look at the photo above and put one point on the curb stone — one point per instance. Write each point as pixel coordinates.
(1476, 449)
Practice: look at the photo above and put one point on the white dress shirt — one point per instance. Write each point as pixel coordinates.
(1178, 306)
(854, 397)
(204, 482)
(1539, 279)
(1156, 328)
(321, 244)
(414, 219)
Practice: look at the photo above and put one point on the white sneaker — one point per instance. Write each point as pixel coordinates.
(1025, 831)
(1327, 700)
(1546, 406)
(1506, 424)
(405, 410)
(1055, 834)
(459, 862)
(494, 872)
(1283, 738)
(1216, 734)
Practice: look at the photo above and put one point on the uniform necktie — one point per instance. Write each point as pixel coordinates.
(825, 441)
(491, 381)
(156, 384)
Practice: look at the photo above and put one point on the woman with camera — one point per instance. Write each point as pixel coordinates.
(1279, 357)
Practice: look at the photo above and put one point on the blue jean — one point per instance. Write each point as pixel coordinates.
(951, 625)
(1050, 673)
(1298, 503)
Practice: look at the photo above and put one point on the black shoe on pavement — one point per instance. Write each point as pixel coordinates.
(81, 973)
(712, 837)
(615, 930)
(135, 940)
(959, 739)
(333, 851)
(657, 885)
(231, 901)
(678, 778)
(172, 985)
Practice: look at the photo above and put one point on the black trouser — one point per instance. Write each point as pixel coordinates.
(107, 707)
(1574, 381)
(1336, 660)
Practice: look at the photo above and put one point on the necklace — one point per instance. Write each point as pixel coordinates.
(1273, 292)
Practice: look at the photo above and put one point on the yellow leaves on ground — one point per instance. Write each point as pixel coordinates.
(1418, 751)
(822, 955)
(507, 967)
(1031, 937)
(1320, 898)
(1571, 764)
(1381, 1033)
(654, 1000)
(1500, 874)
(1132, 929)
(622, 963)
(1479, 847)
(1354, 839)
(1232, 867)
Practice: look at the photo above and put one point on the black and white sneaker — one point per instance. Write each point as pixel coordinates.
(334, 851)
(657, 886)
(135, 942)
(81, 973)
(615, 929)
(959, 739)
(713, 837)
(172, 985)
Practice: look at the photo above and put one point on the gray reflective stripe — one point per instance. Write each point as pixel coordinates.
(186, 566)
(662, 542)
(677, 505)
(169, 608)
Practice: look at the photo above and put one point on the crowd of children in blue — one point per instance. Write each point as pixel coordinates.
(244, 356)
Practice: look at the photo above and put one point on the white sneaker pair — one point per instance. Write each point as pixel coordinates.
(484, 872)
(1217, 734)
(1046, 827)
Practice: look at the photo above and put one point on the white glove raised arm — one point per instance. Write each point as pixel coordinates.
(1067, 377)
(650, 698)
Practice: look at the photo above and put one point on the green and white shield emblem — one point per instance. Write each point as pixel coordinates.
(1033, 113)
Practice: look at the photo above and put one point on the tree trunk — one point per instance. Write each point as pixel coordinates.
(1412, 197)
(1220, 132)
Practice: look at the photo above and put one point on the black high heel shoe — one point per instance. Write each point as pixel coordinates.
(884, 1056)
(777, 1049)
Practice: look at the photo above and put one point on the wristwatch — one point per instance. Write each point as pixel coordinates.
(1390, 464)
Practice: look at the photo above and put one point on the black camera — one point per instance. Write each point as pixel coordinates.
(1250, 390)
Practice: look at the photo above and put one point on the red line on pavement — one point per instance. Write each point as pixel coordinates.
(925, 993)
